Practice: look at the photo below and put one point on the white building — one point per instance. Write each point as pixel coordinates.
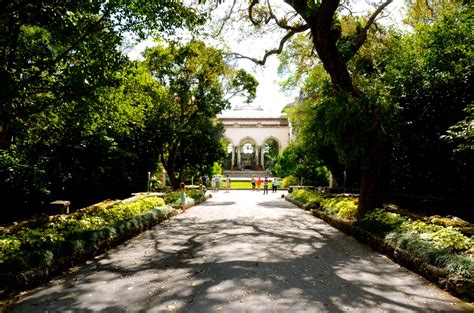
(248, 132)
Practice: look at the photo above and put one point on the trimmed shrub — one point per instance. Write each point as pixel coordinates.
(28, 248)
(289, 181)
(439, 245)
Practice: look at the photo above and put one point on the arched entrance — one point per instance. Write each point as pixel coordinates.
(228, 147)
(247, 158)
(254, 138)
(270, 150)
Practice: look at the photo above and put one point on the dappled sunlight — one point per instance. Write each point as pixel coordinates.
(240, 257)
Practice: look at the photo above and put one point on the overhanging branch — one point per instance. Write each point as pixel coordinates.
(359, 39)
(278, 50)
(374, 15)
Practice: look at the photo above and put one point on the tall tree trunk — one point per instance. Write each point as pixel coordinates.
(370, 194)
(169, 165)
(325, 37)
(3, 137)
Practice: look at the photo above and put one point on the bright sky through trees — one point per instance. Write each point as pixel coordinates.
(269, 94)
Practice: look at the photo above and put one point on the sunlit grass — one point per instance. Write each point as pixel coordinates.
(241, 185)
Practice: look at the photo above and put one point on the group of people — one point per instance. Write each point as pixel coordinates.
(258, 182)
(216, 182)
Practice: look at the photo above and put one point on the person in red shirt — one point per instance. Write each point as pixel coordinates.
(259, 182)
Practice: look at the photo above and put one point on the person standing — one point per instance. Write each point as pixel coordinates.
(265, 186)
(275, 184)
(182, 195)
(227, 183)
(217, 180)
(253, 182)
(259, 182)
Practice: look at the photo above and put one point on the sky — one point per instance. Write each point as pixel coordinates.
(269, 95)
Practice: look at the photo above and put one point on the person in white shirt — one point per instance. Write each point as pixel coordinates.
(275, 184)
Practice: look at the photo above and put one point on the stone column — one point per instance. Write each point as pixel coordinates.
(238, 156)
(232, 159)
(262, 157)
(256, 156)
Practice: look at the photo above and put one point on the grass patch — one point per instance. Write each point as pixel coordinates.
(236, 185)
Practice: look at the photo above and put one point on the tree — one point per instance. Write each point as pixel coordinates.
(462, 133)
(334, 49)
(430, 77)
(421, 81)
(81, 150)
(57, 60)
(195, 84)
(57, 52)
(297, 161)
(427, 11)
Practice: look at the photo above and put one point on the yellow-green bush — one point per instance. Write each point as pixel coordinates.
(289, 181)
(21, 250)
(311, 198)
(343, 207)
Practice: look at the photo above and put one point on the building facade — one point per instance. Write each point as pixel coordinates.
(250, 133)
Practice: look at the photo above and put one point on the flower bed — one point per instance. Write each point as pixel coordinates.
(30, 254)
(442, 254)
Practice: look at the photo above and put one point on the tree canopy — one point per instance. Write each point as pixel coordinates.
(80, 121)
(56, 52)
(421, 82)
(197, 83)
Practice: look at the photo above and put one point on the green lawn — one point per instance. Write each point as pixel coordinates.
(241, 185)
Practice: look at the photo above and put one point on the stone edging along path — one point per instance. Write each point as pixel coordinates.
(20, 281)
(458, 286)
(462, 287)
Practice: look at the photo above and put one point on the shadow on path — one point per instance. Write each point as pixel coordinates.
(222, 256)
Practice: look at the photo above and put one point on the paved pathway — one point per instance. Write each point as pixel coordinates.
(240, 252)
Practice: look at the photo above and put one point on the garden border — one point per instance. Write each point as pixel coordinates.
(16, 282)
(458, 286)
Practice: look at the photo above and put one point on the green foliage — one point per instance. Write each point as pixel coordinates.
(310, 198)
(464, 226)
(192, 76)
(439, 236)
(191, 194)
(297, 161)
(290, 181)
(430, 74)
(54, 53)
(216, 169)
(439, 245)
(415, 87)
(420, 11)
(244, 83)
(271, 153)
(71, 106)
(342, 207)
(381, 222)
(443, 246)
(462, 133)
(73, 233)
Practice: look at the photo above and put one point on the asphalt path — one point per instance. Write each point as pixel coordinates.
(240, 251)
